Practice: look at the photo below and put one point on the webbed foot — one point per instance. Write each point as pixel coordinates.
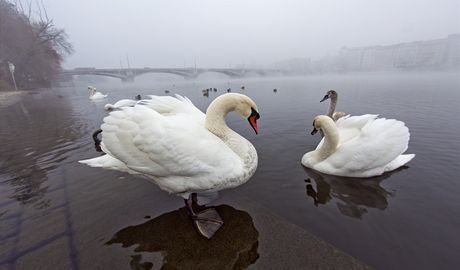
(207, 222)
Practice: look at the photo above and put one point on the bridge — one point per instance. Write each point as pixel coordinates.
(128, 75)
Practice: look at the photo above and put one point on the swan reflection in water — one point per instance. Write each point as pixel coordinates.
(354, 196)
(234, 246)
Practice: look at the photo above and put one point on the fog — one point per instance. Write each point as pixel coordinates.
(167, 33)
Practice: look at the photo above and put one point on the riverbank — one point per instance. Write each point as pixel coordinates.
(8, 98)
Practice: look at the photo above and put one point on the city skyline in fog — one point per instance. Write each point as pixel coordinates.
(245, 33)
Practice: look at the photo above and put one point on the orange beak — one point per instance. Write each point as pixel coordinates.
(253, 120)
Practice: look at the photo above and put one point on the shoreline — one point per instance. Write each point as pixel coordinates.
(8, 98)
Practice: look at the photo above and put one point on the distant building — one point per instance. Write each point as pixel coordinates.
(453, 51)
(430, 54)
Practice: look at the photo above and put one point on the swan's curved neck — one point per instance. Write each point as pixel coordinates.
(331, 140)
(332, 105)
(215, 116)
(215, 123)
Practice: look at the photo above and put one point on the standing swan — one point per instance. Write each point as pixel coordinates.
(362, 146)
(331, 112)
(176, 146)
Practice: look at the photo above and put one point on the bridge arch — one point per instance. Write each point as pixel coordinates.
(186, 75)
(95, 73)
(207, 73)
(159, 75)
(230, 73)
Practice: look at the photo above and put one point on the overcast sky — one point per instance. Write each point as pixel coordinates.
(172, 33)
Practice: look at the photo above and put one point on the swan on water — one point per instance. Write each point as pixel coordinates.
(358, 146)
(331, 94)
(184, 151)
(93, 94)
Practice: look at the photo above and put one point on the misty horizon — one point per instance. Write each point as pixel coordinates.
(240, 33)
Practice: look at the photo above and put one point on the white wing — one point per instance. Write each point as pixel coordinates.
(167, 105)
(350, 127)
(379, 143)
(167, 143)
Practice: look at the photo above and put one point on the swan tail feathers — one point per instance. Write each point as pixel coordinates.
(401, 160)
(105, 162)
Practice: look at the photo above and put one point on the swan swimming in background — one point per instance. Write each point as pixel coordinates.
(122, 103)
(93, 94)
(184, 151)
(359, 146)
(331, 94)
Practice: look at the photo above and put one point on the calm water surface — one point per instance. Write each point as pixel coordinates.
(407, 219)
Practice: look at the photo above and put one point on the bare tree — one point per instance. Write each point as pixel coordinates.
(32, 42)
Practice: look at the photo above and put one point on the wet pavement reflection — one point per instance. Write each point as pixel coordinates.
(38, 135)
(234, 246)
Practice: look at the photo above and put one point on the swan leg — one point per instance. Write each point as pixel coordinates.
(195, 204)
(207, 222)
(195, 200)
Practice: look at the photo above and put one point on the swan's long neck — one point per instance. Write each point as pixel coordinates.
(332, 105)
(215, 117)
(215, 123)
(331, 140)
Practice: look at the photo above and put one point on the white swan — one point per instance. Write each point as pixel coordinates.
(122, 103)
(359, 146)
(94, 95)
(331, 111)
(176, 146)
